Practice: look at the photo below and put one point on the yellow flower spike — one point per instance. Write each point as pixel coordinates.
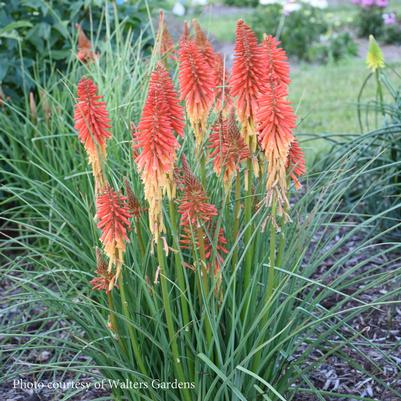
(375, 59)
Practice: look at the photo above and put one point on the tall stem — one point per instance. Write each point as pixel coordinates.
(248, 229)
(113, 321)
(272, 256)
(169, 319)
(131, 329)
(140, 238)
(205, 282)
(237, 206)
(179, 270)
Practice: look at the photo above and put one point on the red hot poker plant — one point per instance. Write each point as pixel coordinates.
(228, 148)
(197, 83)
(161, 116)
(247, 80)
(113, 220)
(93, 125)
(296, 163)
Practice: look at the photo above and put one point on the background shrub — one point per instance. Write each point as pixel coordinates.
(369, 21)
(39, 35)
(298, 31)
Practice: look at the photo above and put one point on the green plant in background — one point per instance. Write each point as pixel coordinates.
(297, 31)
(333, 47)
(369, 21)
(37, 36)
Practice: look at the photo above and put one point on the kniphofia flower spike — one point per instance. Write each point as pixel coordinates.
(247, 80)
(296, 163)
(164, 45)
(113, 220)
(276, 121)
(197, 217)
(93, 125)
(197, 83)
(161, 117)
(228, 148)
(85, 49)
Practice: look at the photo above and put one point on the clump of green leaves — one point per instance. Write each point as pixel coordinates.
(38, 36)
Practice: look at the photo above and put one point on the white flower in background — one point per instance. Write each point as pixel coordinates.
(199, 2)
(178, 9)
(318, 3)
(291, 7)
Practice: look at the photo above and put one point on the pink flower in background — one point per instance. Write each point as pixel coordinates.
(382, 3)
(390, 19)
(356, 2)
(367, 3)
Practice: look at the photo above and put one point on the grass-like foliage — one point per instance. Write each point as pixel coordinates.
(243, 330)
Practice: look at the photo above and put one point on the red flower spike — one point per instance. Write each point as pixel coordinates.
(185, 33)
(161, 116)
(228, 148)
(247, 80)
(223, 98)
(296, 163)
(196, 216)
(204, 45)
(104, 278)
(85, 51)
(164, 42)
(113, 214)
(197, 83)
(93, 125)
(278, 69)
(276, 121)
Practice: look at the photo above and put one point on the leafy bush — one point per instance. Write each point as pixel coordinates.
(298, 31)
(333, 47)
(369, 21)
(242, 3)
(38, 36)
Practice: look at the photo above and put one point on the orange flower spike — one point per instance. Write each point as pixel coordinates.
(278, 69)
(113, 214)
(296, 163)
(85, 50)
(228, 148)
(185, 32)
(204, 45)
(197, 83)
(247, 79)
(161, 116)
(92, 123)
(223, 98)
(164, 42)
(276, 121)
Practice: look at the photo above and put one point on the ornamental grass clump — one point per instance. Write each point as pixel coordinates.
(183, 260)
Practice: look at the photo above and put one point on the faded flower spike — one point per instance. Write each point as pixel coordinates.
(104, 277)
(296, 163)
(85, 49)
(113, 220)
(93, 125)
(228, 148)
